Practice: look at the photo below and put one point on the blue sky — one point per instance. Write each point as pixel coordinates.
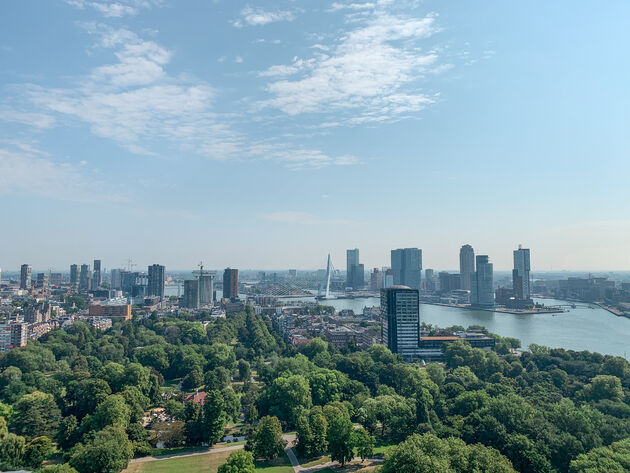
(266, 134)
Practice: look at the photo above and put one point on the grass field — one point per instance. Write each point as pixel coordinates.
(207, 463)
(308, 462)
(382, 449)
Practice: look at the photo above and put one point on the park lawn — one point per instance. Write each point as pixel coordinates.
(278, 465)
(382, 449)
(157, 452)
(308, 462)
(206, 463)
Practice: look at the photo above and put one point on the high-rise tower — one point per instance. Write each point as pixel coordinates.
(85, 278)
(407, 267)
(466, 266)
(156, 278)
(400, 310)
(230, 283)
(482, 283)
(520, 274)
(25, 276)
(97, 279)
(355, 272)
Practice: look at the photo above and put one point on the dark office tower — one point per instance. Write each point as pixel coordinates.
(520, 274)
(97, 279)
(74, 275)
(230, 283)
(191, 293)
(84, 278)
(157, 276)
(466, 265)
(352, 260)
(449, 282)
(25, 276)
(482, 283)
(400, 310)
(407, 267)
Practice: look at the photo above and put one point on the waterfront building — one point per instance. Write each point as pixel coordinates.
(191, 293)
(85, 279)
(97, 279)
(230, 283)
(482, 283)
(25, 277)
(156, 279)
(466, 266)
(449, 281)
(355, 271)
(376, 280)
(520, 274)
(429, 280)
(400, 310)
(74, 275)
(407, 267)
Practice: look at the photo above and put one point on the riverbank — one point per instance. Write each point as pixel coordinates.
(499, 310)
(612, 310)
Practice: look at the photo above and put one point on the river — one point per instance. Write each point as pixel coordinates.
(587, 327)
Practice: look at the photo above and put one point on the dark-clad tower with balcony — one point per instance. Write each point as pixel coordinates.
(230, 283)
(157, 276)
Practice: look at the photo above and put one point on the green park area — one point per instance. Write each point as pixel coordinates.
(205, 463)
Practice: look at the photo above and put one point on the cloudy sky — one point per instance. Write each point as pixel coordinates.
(266, 134)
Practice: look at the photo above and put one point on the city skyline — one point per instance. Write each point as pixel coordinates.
(296, 132)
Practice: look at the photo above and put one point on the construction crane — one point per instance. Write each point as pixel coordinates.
(131, 264)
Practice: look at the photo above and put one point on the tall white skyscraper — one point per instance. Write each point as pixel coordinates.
(482, 283)
(407, 267)
(466, 266)
(520, 274)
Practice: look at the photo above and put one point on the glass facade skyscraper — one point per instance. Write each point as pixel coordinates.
(482, 283)
(407, 267)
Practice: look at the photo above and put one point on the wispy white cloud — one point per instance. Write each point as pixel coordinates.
(296, 158)
(30, 171)
(34, 119)
(336, 6)
(303, 218)
(115, 9)
(371, 73)
(137, 103)
(259, 17)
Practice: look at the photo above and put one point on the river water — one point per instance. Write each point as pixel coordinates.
(586, 327)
